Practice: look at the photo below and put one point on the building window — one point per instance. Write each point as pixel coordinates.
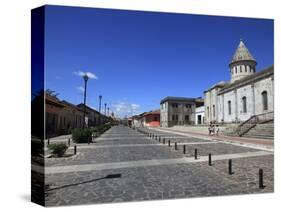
(244, 102)
(235, 69)
(155, 118)
(250, 68)
(245, 68)
(229, 107)
(186, 118)
(208, 112)
(175, 105)
(187, 105)
(214, 111)
(264, 100)
(240, 67)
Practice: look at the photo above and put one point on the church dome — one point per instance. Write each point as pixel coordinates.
(242, 54)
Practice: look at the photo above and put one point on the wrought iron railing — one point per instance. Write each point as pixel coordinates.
(253, 121)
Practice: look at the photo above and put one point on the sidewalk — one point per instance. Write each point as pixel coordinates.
(251, 142)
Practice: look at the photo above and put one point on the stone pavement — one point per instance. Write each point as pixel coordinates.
(126, 165)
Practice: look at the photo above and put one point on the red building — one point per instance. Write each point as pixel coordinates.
(152, 118)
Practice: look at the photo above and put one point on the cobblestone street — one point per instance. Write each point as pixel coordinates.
(127, 165)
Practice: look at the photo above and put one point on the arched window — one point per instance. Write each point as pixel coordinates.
(229, 107)
(214, 111)
(264, 100)
(244, 102)
(208, 111)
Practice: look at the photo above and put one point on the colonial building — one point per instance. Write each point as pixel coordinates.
(178, 110)
(152, 119)
(248, 93)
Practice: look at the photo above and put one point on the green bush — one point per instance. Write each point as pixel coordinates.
(81, 135)
(58, 149)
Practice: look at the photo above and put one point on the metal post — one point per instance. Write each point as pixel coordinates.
(48, 141)
(169, 143)
(176, 147)
(261, 186)
(195, 154)
(230, 167)
(68, 141)
(184, 150)
(163, 140)
(75, 149)
(210, 159)
(159, 139)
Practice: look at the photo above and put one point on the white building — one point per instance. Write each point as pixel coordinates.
(200, 115)
(249, 93)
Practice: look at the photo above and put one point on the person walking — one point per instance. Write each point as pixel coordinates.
(217, 130)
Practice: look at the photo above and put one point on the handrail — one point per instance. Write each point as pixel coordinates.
(253, 121)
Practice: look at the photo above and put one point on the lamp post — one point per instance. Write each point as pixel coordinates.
(85, 77)
(108, 111)
(100, 97)
(105, 109)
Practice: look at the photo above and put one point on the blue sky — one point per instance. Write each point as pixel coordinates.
(139, 58)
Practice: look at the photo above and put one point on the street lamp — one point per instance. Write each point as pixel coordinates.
(100, 97)
(105, 109)
(108, 111)
(85, 77)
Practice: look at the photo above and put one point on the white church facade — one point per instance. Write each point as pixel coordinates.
(249, 92)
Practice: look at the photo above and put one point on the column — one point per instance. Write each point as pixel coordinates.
(236, 105)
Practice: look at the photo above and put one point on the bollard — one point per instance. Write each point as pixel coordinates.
(176, 146)
(163, 140)
(195, 154)
(75, 149)
(261, 186)
(230, 167)
(48, 141)
(210, 159)
(169, 143)
(68, 141)
(155, 137)
(184, 150)
(159, 139)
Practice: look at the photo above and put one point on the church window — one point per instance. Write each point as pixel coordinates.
(245, 68)
(208, 111)
(235, 69)
(240, 69)
(250, 68)
(244, 102)
(214, 111)
(264, 100)
(229, 107)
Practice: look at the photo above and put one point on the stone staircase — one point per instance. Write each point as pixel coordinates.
(262, 131)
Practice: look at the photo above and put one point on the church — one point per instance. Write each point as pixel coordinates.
(248, 94)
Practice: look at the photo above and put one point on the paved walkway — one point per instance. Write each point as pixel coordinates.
(117, 168)
(262, 143)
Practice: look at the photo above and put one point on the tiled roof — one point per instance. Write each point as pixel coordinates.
(242, 53)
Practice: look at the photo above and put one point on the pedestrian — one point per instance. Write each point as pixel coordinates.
(217, 131)
(210, 130)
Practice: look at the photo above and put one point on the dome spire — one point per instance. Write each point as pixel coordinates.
(242, 53)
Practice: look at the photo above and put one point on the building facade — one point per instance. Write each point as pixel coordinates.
(178, 110)
(247, 94)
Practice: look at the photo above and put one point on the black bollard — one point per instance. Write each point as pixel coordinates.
(155, 137)
(261, 186)
(184, 150)
(210, 159)
(163, 140)
(176, 146)
(48, 141)
(230, 167)
(68, 141)
(169, 143)
(159, 139)
(195, 154)
(75, 149)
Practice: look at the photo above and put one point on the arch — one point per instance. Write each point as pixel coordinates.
(264, 100)
(244, 103)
